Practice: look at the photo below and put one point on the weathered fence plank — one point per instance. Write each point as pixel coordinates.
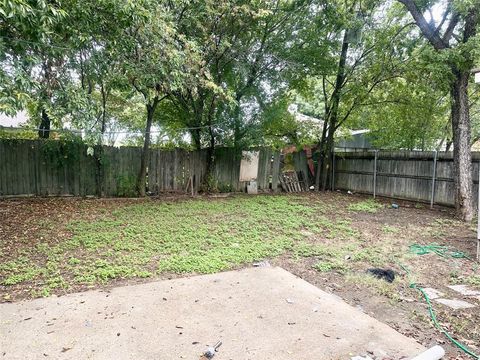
(276, 171)
(30, 167)
(301, 165)
(27, 168)
(401, 174)
(264, 169)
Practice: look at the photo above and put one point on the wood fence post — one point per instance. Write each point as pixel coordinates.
(276, 171)
(333, 169)
(478, 217)
(375, 174)
(432, 198)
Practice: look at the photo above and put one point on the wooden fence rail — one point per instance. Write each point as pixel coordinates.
(49, 167)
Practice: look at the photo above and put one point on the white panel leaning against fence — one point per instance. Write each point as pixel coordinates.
(249, 170)
(249, 165)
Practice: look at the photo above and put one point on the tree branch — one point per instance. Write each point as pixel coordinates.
(471, 21)
(450, 28)
(429, 32)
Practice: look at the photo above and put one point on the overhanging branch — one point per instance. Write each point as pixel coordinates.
(427, 30)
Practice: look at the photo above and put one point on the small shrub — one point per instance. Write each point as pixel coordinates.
(126, 186)
(224, 188)
(209, 185)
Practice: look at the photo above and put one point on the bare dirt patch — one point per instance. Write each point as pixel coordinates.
(55, 246)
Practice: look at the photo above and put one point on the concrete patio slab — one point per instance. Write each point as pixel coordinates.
(433, 293)
(176, 319)
(455, 304)
(464, 290)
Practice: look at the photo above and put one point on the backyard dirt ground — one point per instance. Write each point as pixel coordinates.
(49, 247)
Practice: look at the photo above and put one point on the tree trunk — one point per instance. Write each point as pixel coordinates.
(100, 173)
(237, 135)
(44, 128)
(328, 154)
(462, 157)
(195, 134)
(321, 152)
(142, 175)
(333, 112)
(210, 156)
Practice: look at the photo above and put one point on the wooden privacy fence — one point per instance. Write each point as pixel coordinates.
(410, 175)
(171, 170)
(51, 167)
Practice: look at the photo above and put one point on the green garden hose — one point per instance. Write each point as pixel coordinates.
(414, 285)
(440, 250)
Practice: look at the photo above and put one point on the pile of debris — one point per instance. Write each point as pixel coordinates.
(290, 182)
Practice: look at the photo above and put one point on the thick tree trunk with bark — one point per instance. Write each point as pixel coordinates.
(210, 155)
(321, 154)
(98, 153)
(237, 135)
(462, 157)
(331, 117)
(142, 175)
(44, 128)
(460, 117)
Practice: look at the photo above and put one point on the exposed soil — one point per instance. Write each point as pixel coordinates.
(26, 222)
(409, 315)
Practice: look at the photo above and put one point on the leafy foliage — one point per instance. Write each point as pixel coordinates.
(126, 186)
(6, 133)
(62, 151)
(227, 72)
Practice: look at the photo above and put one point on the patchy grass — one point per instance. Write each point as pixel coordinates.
(331, 265)
(387, 229)
(149, 238)
(369, 206)
(146, 239)
(473, 280)
(328, 239)
(379, 286)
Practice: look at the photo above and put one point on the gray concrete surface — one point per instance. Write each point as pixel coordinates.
(247, 310)
(465, 290)
(455, 304)
(433, 293)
